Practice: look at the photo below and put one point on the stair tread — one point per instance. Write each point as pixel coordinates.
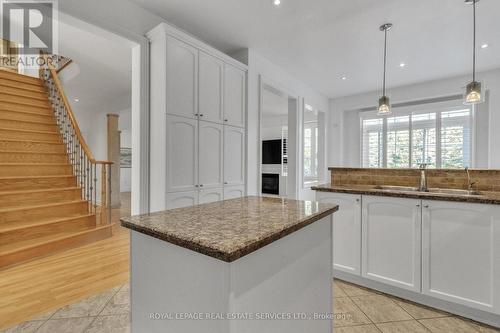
(30, 121)
(13, 226)
(28, 131)
(40, 191)
(32, 163)
(48, 114)
(38, 98)
(15, 209)
(36, 177)
(33, 141)
(24, 79)
(30, 152)
(22, 245)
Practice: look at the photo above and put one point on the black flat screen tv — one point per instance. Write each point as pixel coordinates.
(271, 152)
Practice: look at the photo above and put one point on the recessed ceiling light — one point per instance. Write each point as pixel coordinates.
(77, 100)
(484, 46)
(343, 78)
(402, 65)
(277, 3)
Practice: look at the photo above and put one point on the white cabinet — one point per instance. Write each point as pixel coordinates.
(234, 155)
(461, 253)
(181, 78)
(182, 154)
(213, 195)
(211, 88)
(182, 199)
(391, 241)
(346, 231)
(211, 155)
(234, 96)
(233, 192)
(194, 90)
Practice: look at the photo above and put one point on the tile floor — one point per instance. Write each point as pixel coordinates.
(356, 309)
(361, 310)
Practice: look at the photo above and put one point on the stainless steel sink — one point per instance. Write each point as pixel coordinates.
(454, 191)
(444, 191)
(396, 188)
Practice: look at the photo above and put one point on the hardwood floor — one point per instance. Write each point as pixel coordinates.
(31, 289)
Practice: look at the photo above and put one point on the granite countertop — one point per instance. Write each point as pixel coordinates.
(483, 197)
(228, 230)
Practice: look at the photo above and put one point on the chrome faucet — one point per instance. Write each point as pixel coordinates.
(423, 178)
(470, 183)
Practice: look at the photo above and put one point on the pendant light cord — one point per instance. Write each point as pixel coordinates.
(474, 41)
(385, 58)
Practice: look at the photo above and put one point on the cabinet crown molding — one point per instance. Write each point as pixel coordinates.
(163, 29)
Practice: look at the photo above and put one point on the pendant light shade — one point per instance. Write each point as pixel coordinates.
(384, 105)
(473, 92)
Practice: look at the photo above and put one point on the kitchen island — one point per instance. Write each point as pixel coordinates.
(251, 264)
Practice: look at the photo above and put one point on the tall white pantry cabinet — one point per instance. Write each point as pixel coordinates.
(198, 114)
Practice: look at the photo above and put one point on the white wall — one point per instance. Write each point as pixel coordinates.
(271, 127)
(344, 130)
(257, 66)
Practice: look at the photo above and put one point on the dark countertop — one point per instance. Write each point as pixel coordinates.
(484, 197)
(228, 230)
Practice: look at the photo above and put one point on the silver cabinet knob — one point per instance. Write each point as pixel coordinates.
(201, 114)
(197, 186)
(196, 114)
(226, 120)
(201, 185)
(225, 183)
(426, 206)
(418, 205)
(357, 200)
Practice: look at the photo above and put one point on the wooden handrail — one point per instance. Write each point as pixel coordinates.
(71, 115)
(66, 64)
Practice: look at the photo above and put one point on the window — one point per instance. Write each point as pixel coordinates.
(439, 137)
(310, 150)
(313, 144)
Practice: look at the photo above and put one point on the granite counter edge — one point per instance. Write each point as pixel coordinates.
(228, 256)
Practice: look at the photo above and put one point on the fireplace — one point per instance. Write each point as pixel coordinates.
(271, 183)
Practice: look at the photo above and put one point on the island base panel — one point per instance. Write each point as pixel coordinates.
(288, 277)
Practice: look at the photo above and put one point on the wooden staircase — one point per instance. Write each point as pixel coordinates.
(42, 205)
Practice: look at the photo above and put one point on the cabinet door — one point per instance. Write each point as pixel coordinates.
(234, 156)
(182, 199)
(213, 195)
(346, 231)
(182, 154)
(234, 96)
(391, 241)
(461, 253)
(211, 74)
(211, 151)
(182, 78)
(233, 192)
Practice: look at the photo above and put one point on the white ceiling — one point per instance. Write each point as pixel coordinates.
(101, 75)
(319, 41)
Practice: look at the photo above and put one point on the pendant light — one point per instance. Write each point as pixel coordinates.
(473, 91)
(384, 105)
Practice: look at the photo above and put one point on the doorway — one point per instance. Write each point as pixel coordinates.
(278, 141)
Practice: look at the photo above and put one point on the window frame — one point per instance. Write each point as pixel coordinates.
(438, 108)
